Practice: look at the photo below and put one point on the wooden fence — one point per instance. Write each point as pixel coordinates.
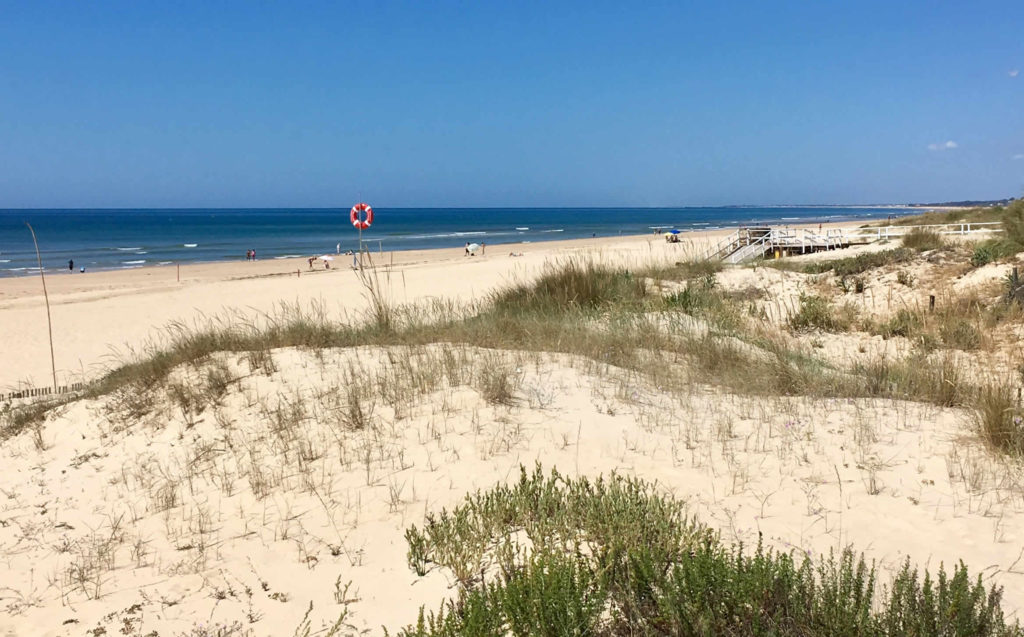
(33, 392)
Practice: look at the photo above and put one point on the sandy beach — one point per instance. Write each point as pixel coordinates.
(273, 503)
(98, 314)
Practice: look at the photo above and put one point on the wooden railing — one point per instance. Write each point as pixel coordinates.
(746, 243)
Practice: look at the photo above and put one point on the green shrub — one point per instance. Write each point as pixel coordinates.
(905, 323)
(817, 313)
(959, 333)
(984, 254)
(1014, 287)
(702, 298)
(1013, 224)
(861, 263)
(905, 278)
(557, 556)
(923, 239)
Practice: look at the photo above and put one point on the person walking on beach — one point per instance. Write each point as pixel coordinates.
(248, 255)
(253, 254)
(71, 265)
(467, 249)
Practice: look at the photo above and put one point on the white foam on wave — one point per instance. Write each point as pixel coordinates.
(165, 262)
(129, 249)
(5, 260)
(137, 262)
(289, 256)
(449, 235)
(523, 228)
(559, 230)
(190, 245)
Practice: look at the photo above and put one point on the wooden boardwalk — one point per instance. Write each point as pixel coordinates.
(748, 243)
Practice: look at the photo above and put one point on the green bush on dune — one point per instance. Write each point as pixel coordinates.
(552, 555)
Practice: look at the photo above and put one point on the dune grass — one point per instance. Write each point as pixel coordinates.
(939, 217)
(923, 240)
(606, 315)
(847, 266)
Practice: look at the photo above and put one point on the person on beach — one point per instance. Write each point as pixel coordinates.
(467, 249)
(248, 255)
(311, 260)
(71, 265)
(483, 249)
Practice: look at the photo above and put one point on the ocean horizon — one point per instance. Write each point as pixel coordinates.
(125, 238)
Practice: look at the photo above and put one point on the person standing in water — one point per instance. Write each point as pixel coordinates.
(71, 265)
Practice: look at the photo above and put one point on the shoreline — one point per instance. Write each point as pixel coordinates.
(57, 258)
(100, 318)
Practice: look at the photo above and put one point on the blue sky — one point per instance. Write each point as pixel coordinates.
(110, 104)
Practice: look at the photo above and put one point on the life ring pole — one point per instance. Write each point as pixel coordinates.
(355, 216)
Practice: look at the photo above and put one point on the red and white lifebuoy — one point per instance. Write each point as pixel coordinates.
(357, 220)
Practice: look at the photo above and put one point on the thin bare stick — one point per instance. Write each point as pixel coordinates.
(46, 296)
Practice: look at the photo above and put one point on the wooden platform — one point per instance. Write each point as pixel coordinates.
(755, 242)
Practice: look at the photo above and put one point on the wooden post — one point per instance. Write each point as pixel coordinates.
(178, 267)
(931, 302)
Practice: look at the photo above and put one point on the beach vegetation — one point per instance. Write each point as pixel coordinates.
(553, 555)
(1013, 286)
(602, 314)
(985, 253)
(1000, 419)
(847, 266)
(923, 240)
(818, 313)
(941, 217)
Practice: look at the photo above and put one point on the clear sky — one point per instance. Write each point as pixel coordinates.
(192, 104)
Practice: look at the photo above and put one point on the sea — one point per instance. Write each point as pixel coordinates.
(111, 239)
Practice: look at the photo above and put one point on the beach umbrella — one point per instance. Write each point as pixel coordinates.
(673, 231)
(473, 247)
(327, 258)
